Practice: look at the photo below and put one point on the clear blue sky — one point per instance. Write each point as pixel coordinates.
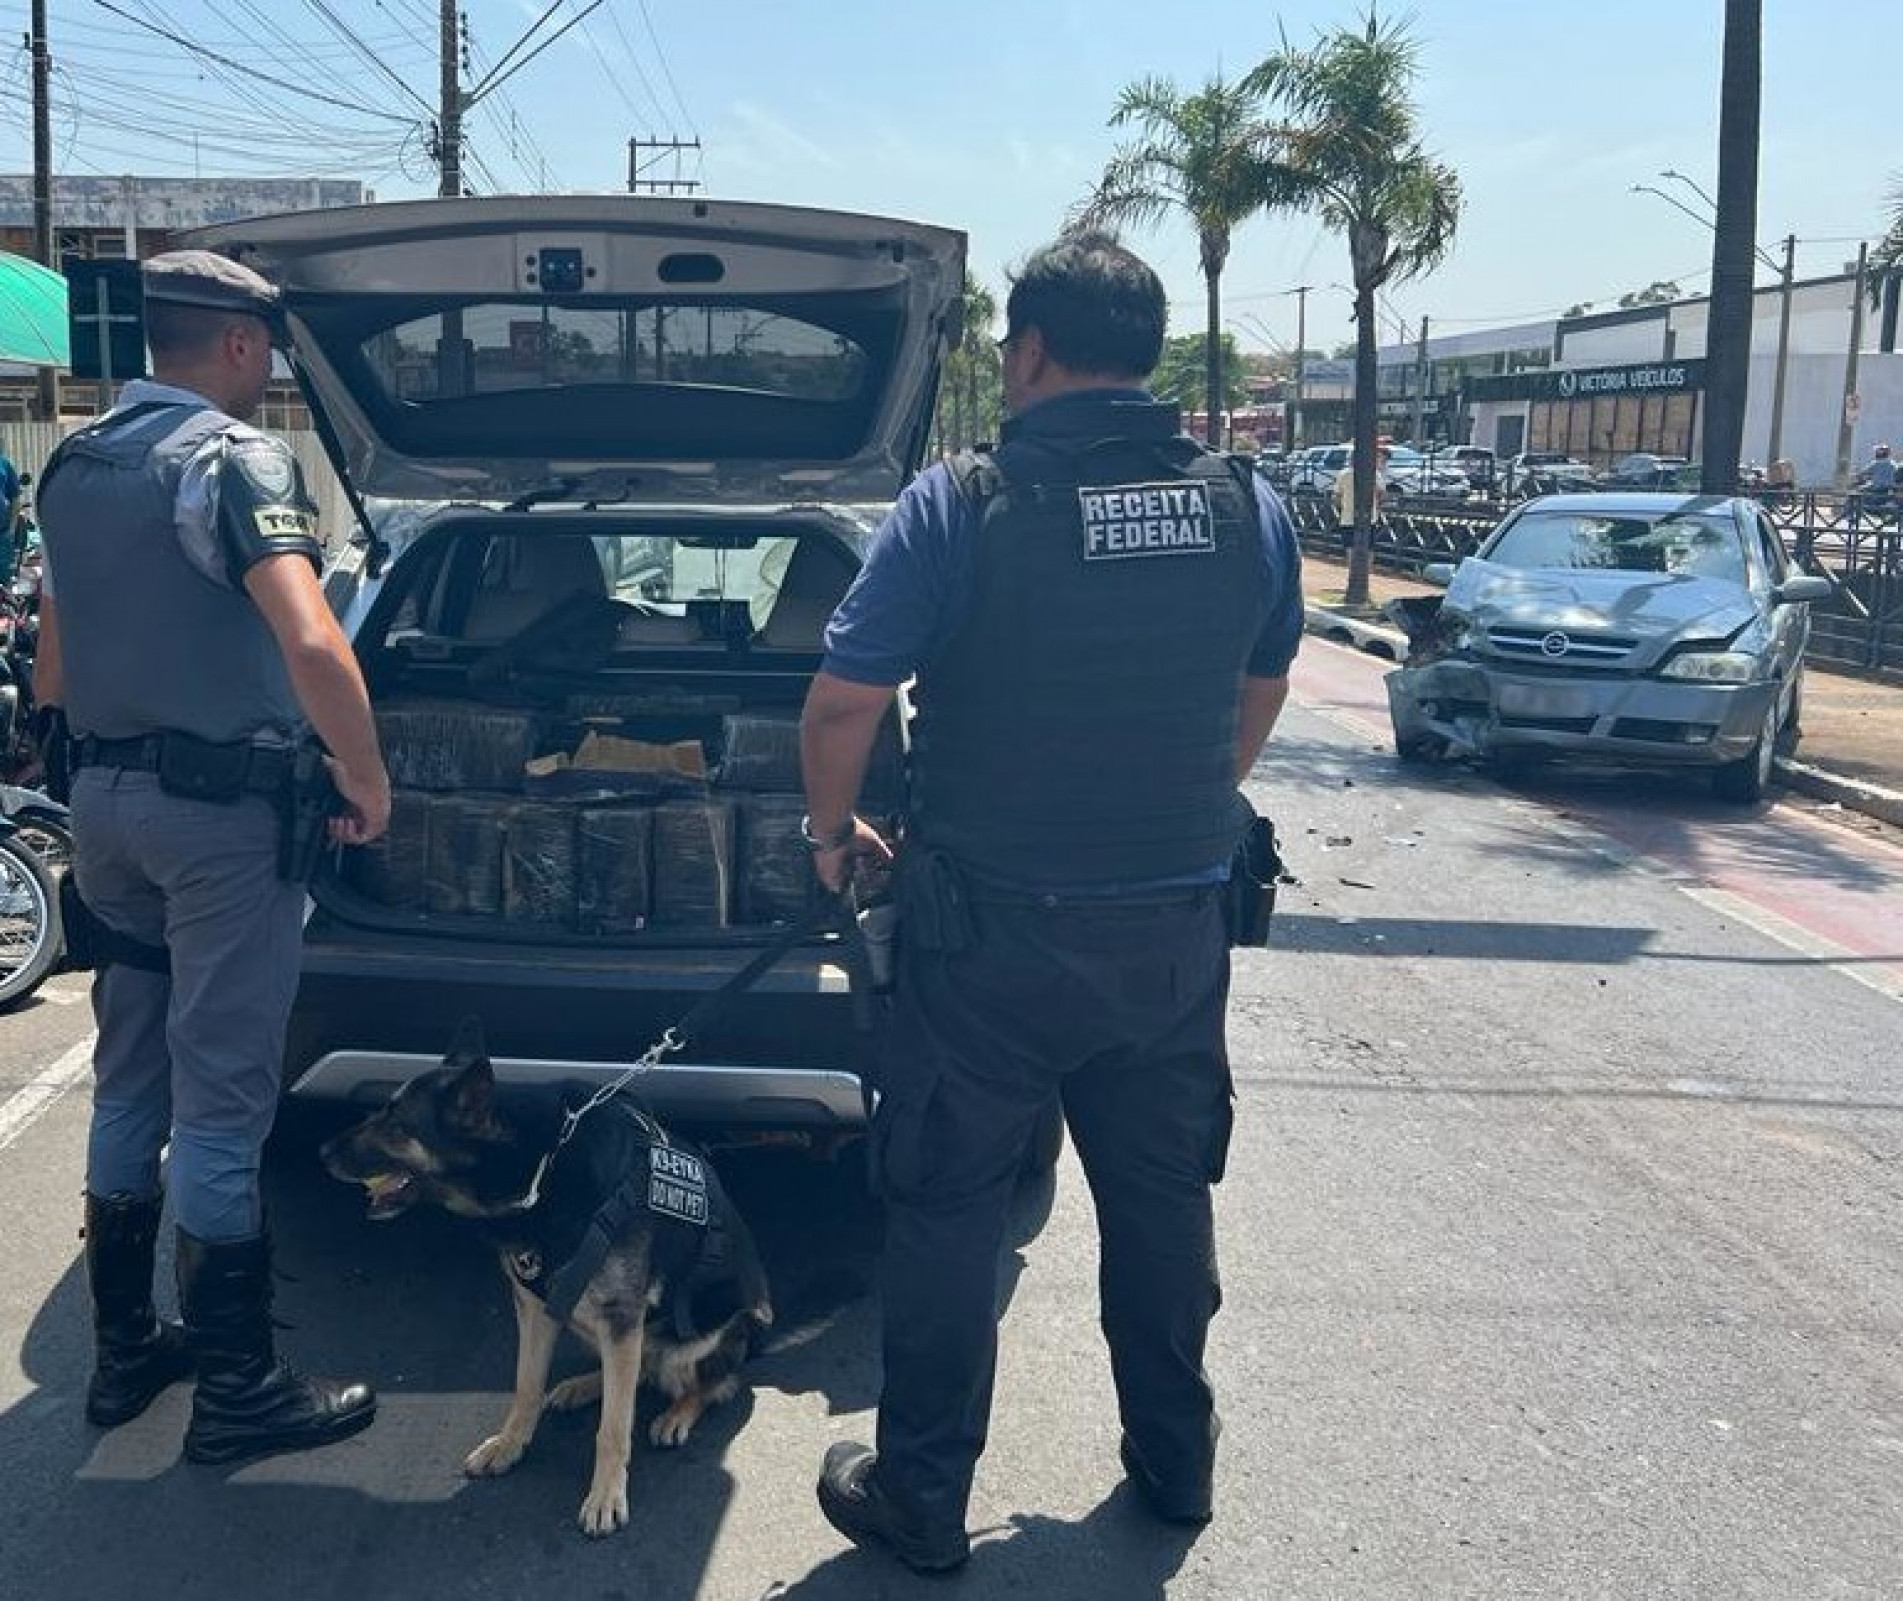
(991, 117)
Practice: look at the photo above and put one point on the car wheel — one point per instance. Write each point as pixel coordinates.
(1793, 715)
(1744, 781)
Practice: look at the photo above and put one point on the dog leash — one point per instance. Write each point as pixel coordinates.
(833, 910)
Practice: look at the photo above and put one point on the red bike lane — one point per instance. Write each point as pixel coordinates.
(1827, 883)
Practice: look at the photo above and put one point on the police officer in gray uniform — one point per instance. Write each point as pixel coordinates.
(186, 638)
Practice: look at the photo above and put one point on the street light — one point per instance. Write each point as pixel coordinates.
(1785, 271)
(1294, 429)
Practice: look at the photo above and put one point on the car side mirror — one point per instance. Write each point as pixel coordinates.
(1438, 572)
(1805, 587)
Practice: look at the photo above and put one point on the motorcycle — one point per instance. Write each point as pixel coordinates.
(42, 823)
(19, 640)
(30, 940)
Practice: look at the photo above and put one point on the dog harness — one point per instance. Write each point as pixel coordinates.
(672, 1184)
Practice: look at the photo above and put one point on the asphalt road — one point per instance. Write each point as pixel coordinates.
(1563, 1250)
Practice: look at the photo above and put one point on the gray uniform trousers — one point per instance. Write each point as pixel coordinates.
(195, 1057)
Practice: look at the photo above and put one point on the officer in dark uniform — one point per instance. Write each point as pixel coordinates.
(187, 641)
(1101, 617)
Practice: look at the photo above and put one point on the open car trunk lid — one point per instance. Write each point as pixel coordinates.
(614, 347)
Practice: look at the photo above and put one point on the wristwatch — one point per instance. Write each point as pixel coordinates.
(817, 843)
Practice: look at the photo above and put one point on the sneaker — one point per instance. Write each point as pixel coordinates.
(854, 1504)
(1172, 1503)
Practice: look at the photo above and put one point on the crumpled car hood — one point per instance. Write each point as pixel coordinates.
(1646, 607)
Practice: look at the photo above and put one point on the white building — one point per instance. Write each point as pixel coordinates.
(1633, 379)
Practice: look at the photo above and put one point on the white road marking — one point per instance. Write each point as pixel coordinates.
(23, 1108)
(1773, 926)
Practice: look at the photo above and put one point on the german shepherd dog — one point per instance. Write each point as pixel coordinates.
(620, 1233)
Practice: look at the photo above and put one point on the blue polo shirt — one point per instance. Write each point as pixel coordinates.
(912, 592)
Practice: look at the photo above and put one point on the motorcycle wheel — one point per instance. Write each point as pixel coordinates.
(48, 840)
(29, 922)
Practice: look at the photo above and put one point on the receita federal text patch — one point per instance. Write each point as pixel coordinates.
(1127, 520)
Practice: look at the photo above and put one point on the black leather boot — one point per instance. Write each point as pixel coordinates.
(136, 1355)
(248, 1403)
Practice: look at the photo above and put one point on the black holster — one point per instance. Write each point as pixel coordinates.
(306, 804)
(934, 906)
(91, 943)
(1254, 870)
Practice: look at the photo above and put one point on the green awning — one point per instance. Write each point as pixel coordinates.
(32, 313)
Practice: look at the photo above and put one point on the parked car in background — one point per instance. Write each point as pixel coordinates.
(1660, 630)
(1479, 463)
(1406, 475)
(1646, 469)
(1546, 472)
(1273, 465)
(1412, 474)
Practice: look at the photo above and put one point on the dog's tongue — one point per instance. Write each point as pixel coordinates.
(388, 1196)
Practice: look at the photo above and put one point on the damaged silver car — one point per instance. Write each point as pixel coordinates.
(1655, 630)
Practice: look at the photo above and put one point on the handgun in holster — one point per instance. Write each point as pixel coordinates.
(309, 801)
(934, 907)
(1254, 870)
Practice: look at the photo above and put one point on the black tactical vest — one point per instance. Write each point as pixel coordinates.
(150, 643)
(1079, 728)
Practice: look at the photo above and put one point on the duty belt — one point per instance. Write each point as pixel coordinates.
(265, 773)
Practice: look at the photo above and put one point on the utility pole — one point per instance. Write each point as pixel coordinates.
(453, 361)
(1420, 387)
(1785, 276)
(1300, 292)
(43, 187)
(659, 186)
(1846, 422)
(449, 124)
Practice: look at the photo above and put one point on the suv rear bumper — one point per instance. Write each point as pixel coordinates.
(372, 1012)
(682, 1092)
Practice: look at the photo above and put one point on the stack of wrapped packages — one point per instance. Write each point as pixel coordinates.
(603, 834)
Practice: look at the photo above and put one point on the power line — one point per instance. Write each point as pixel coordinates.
(615, 79)
(661, 56)
(364, 50)
(250, 72)
(497, 78)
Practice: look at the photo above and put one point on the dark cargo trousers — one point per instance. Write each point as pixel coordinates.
(1119, 1008)
(193, 1059)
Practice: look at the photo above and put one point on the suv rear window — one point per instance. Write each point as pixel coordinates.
(532, 346)
(615, 378)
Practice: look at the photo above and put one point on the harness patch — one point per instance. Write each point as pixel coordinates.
(1131, 520)
(677, 1185)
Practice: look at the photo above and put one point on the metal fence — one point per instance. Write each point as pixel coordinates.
(1855, 540)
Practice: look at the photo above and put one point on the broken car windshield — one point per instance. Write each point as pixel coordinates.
(1689, 546)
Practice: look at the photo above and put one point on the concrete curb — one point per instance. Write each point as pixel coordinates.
(1377, 639)
(1853, 794)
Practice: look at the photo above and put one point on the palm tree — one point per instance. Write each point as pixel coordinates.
(1352, 139)
(1734, 248)
(1886, 267)
(1203, 154)
(969, 397)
